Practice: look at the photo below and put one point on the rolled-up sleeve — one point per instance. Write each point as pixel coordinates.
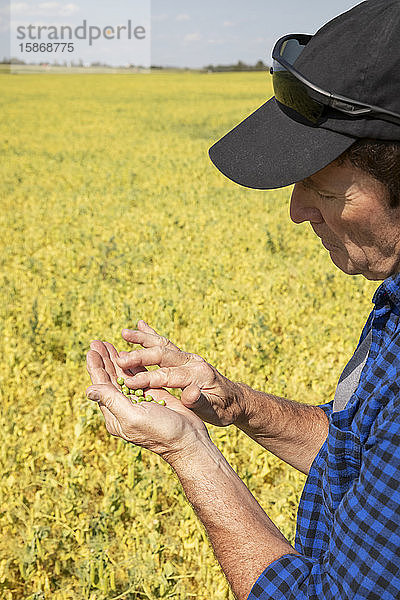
(361, 558)
(292, 577)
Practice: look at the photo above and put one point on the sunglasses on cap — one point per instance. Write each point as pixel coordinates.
(294, 91)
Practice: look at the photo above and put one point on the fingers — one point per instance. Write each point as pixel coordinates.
(109, 398)
(104, 349)
(161, 356)
(110, 356)
(95, 367)
(113, 356)
(169, 378)
(114, 404)
(164, 377)
(146, 336)
(191, 395)
(147, 340)
(98, 375)
(133, 370)
(145, 327)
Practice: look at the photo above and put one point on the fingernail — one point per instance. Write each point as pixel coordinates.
(93, 395)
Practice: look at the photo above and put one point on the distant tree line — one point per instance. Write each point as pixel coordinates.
(64, 63)
(239, 66)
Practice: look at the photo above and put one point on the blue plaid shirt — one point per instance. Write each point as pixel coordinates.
(348, 522)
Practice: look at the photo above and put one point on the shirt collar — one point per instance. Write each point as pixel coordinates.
(388, 290)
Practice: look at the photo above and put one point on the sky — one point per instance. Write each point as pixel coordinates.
(195, 34)
(181, 33)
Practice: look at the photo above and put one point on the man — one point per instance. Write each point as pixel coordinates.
(333, 128)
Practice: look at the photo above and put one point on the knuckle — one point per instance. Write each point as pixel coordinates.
(165, 373)
(196, 357)
(131, 358)
(108, 402)
(203, 368)
(157, 377)
(206, 370)
(165, 354)
(164, 342)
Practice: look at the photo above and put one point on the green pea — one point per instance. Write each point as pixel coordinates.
(162, 402)
(149, 398)
(125, 388)
(120, 380)
(139, 399)
(133, 398)
(139, 392)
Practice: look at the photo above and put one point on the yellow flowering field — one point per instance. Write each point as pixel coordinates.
(111, 211)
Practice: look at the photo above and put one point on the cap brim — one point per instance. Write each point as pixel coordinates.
(271, 150)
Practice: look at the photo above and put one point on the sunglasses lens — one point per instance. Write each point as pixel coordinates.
(290, 50)
(289, 90)
(293, 94)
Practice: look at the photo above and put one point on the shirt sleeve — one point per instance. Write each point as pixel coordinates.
(327, 408)
(362, 559)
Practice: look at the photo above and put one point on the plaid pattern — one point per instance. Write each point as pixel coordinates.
(348, 522)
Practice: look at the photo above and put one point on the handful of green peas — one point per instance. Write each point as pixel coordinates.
(136, 396)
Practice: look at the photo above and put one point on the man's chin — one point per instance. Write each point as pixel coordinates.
(348, 267)
(344, 265)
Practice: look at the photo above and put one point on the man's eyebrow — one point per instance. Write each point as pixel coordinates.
(308, 182)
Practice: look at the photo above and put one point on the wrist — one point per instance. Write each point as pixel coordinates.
(249, 402)
(262, 414)
(191, 447)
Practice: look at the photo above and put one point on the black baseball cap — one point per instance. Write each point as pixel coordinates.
(355, 56)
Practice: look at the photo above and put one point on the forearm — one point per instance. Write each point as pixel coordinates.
(244, 539)
(292, 431)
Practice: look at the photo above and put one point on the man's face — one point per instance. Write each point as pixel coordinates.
(348, 209)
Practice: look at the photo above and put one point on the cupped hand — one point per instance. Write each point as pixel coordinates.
(170, 431)
(207, 393)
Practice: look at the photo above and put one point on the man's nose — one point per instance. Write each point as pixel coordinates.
(303, 208)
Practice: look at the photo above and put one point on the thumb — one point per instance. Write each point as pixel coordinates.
(107, 395)
(92, 393)
(190, 395)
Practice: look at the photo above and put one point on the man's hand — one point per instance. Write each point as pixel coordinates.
(244, 539)
(291, 430)
(205, 391)
(172, 431)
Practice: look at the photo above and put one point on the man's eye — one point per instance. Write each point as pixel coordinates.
(312, 189)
